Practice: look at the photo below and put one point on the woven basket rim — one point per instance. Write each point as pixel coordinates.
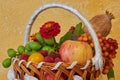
(95, 64)
(97, 59)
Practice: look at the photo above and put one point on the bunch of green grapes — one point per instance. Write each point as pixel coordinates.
(12, 53)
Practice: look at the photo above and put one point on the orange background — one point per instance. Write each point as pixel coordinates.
(14, 14)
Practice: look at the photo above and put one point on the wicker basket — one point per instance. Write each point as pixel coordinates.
(73, 71)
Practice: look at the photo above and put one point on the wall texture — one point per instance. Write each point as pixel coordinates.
(14, 14)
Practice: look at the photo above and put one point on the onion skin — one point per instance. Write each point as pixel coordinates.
(101, 23)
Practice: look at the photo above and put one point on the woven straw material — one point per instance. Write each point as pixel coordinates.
(90, 71)
(32, 70)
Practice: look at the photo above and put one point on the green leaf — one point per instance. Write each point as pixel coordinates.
(110, 73)
(67, 36)
(50, 41)
(78, 29)
(39, 37)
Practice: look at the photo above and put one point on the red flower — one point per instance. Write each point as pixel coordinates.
(50, 29)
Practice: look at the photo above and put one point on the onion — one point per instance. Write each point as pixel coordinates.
(101, 23)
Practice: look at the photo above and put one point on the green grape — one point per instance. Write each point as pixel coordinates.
(21, 49)
(35, 45)
(33, 51)
(27, 52)
(48, 48)
(11, 52)
(6, 63)
(27, 47)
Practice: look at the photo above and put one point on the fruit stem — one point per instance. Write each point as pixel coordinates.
(55, 45)
(110, 15)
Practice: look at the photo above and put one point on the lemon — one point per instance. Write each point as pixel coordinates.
(36, 57)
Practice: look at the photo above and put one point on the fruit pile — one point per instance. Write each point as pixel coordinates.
(39, 49)
(75, 45)
(109, 48)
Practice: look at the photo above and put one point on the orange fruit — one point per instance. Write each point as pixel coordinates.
(36, 57)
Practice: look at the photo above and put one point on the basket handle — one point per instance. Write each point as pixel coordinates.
(97, 59)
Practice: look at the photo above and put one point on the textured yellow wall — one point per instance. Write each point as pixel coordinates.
(14, 14)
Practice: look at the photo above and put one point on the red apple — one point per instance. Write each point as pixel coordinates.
(75, 51)
(49, 77)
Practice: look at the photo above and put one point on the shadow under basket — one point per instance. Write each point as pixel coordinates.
(60, 70)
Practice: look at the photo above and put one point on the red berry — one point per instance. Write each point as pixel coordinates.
(100, 40)
(104, 41)
(111, 48)
(107, 45)
(24, 57)
(49, 59)
(85, 38)
(89, 38)
(44, 53)
(110, 56)
(113, 56)
(101, 44)
(106, 67)
(58, 59)
(109, 40)
(54, 55)
(105, 71)
(105, 54)
(104, 48)
(99, 35)
(72, 28)
(111, 64)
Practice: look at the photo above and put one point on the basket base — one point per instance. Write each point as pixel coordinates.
(45, 72)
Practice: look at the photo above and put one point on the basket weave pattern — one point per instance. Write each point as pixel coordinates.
(87, 72)
(33, 70)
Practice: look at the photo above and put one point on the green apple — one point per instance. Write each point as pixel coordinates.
(48, 48)
(50, 41)
(35, 45)
(33, 51)
(27, 47)
(28, 52)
